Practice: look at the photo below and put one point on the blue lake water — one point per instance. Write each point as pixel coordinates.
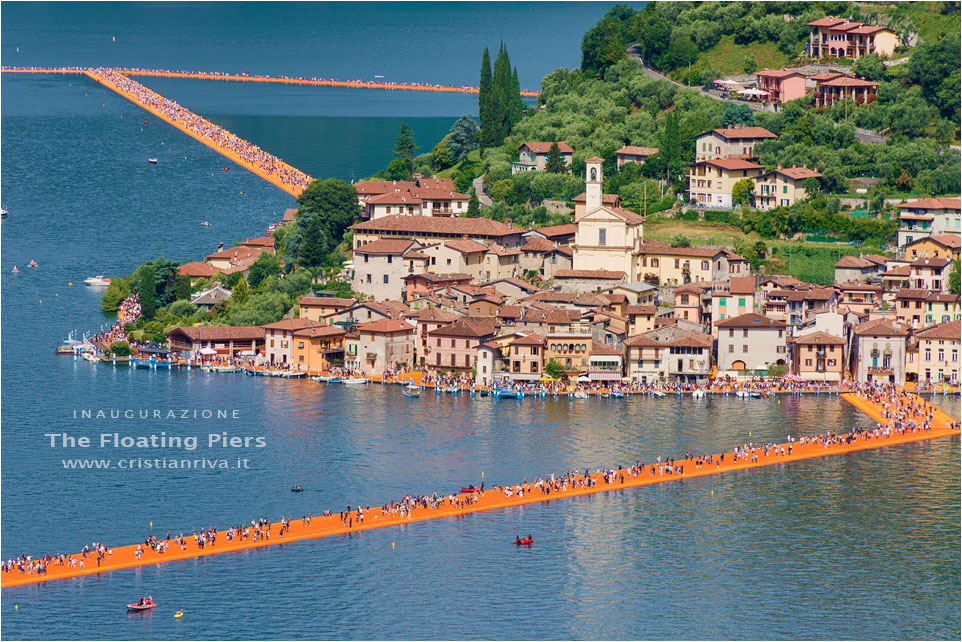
(860, 546)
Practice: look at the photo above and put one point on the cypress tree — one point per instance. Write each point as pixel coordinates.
(474, 206)
(517, 105)
(147, 291)
(484, 95)
(314, 245)
(553, 163)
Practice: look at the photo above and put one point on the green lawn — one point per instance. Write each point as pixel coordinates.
(728, 58)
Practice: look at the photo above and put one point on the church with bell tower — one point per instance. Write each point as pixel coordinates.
(607, 238)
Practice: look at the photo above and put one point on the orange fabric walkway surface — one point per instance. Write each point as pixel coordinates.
(270, 178)
(317, 82)
(124, 557)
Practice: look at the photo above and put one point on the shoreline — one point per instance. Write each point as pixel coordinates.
(493, 499)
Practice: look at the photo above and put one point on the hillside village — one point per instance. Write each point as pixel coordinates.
(437, 284)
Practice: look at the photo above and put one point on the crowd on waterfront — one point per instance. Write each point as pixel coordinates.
(902, 413)
(203, 128)
(127, 312)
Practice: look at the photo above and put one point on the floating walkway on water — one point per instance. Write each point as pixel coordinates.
(494, 498)
(262, 78)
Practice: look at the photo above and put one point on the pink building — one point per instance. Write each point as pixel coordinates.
(454, 347)
(782, 86)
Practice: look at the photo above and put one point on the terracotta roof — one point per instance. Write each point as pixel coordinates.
(605, 199)
(742, 285)
(464, 328)
(691, 340)
(329, 302)
(538, 244)
(385, 246)
(220, 332)
(828, 75)
(239, 252)
(431, 277)
(289, 324)
(434, 194)
(438, 225)
(388, 308)
(827, 21)
(658, 247)
(500, 250)
(541, 147)
(858, 287)
(951, 241)
(529, 340)
(436, 183)
(881, 328)
(385, 326)
(600, 349)
(289, 214)
(938, 263)
(911, 294)
(643, 341)
(634, 150)
(630, 217)
(751, 320)
(571, 298)
(641, 309)
(878, 259)
(902, 270)
(466, 246)
(382, 187)
(515, 281)
(943, 297)
(868, 29)
(691, 288)
(588, 274)
(731, 164)
(934, 204)
(434, 314)
(510, 311)
(394, 198)
(846, 81)
(260, 241)
(320, 331)
(616, 298)
(743, 132)
(777, 73)
(567, 229)
(819, 337)
(594, 159)
(853, 262)
(550, 316)
(797, 173)
(196, 268)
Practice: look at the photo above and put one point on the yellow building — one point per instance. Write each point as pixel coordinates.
(940, 307)
(607, 237)
(318, 348)
(317, 307)
(660, 262)
(710, 182)
(782, 187)
(937, 246)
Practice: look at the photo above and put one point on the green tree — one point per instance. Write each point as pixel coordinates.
(441, 156)
(120, 348)
(474, 206)
(605, 43)
(554, 369)
(743, 192)
(738, 114)
(315, 244)
(147, 290)
(869, 67)
(671, 149)
(484, 91)
(955, 278)
(182, 287)
(404, 145)
(240, 293)
(334, 202)
(680, 240)
(398, 169)
(501, 190)
(266, 265)
(553, 162)
(750, 65)
(463, 137)
(516, 104)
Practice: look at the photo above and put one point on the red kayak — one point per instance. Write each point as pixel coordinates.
(524, 541)
(141, 606)
(470, 489)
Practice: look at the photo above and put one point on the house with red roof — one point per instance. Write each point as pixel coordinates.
(927, 216)
(859, 91)
(421, 197)
(730, 142)
(532, 156)
(383, 345)
(782, 85)
(380, 267)
(832, 37)
(634, 154)
(710, 181)
(880, 347)
(935, 246)
(782, 187)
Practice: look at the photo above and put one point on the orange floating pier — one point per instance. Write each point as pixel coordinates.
(283, 80)
(942, 425)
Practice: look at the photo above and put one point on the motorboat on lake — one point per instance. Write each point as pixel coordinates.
(152, 161)
(411, 391)
(354, 381)
(143, 604)
(97, 281)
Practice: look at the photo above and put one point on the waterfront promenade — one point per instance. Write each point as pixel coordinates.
(262, 78)
(900, 417)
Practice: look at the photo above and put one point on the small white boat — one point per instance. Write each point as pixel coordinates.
(355, 380)
(205, 224)
(744, 394)
(15, 270)
(411, 391)
(32, 263)
(152, 161)
(3, 211)
(658, 394)
(698, 393)
(581, 394)
(97, 281)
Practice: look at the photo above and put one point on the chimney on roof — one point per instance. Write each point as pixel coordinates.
(804, 165)
(779, 166)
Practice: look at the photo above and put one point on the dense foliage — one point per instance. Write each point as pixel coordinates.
(499, 98)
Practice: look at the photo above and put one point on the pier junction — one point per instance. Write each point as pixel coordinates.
(900, 418)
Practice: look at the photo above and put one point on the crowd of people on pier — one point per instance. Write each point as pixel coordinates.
(901, 412)
(201, 127)
(127, 312)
